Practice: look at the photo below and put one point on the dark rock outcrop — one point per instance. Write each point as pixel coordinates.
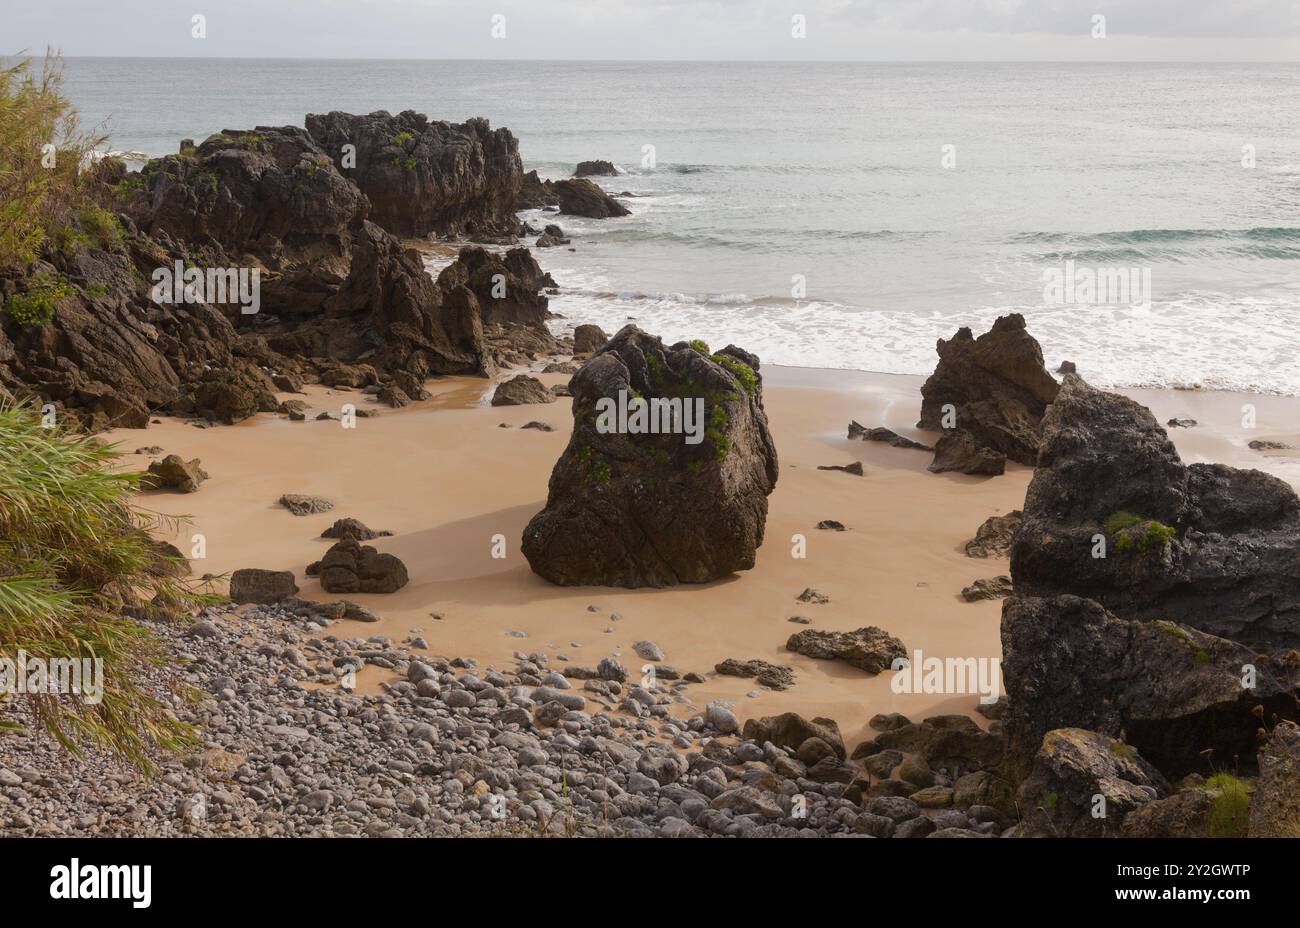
(521, 390)
(535, 193)
(996, 385)
(352, 528)
(579, 197)
(993, 537)
(1176, 694)
(990, 588)
(1205, 545)
(508, 287)
(1072, 768)
(596, 168)
(588, 339)
(424, 176)
(650, 509)
(351, 567)
(957, 450)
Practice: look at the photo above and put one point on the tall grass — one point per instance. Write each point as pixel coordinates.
(75, 559)
(40, 188)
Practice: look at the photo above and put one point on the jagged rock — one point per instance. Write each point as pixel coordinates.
(253, 585)
(650, 509)
(174, 473)
(775, 676)
(870, 648)
(1067, 367)
(888, 436)
(392, 396)
(579, 197)
(992, 588)
(287, 383)
(521, 390)
(1204, 545)
(588, 339)
(301, 504)
(1072, 767)
(855, 468)
(997, 385)
(350, 567)
(1275, 807)
(233, 395)
(993, 537)
(560, 367)
(535, 193)
(831, 525)
(1181, 423)
(594, 169)
(1175, 693)
(958, 451)
(423, 176)
(1260, 444)
(789, 730)
(352, 528)
(507, 286)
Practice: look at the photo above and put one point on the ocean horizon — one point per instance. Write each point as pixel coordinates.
(848, 214)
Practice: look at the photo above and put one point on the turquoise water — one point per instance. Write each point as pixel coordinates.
(834, 173)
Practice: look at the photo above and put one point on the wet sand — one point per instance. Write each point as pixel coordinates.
(445, 478)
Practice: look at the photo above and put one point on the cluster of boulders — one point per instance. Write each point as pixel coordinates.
(341, 300)
(1152, 637)
(452, 748)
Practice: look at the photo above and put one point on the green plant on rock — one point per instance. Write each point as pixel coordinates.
(1155, 535)
(1230, 813)
(36, 306)
(743, 373)
(75, 557)
(403, 137)
(701, 346)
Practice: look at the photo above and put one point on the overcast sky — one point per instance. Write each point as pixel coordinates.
(1048, 30)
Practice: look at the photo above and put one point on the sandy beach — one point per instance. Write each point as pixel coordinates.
(445, 477)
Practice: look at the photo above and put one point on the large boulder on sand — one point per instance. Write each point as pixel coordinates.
(997, 386)
(521, 390)
(684, 503)
(1176, 694)
(174, 473)
(351, 567)
(1208, 546)
(580, 197)
(253, 585)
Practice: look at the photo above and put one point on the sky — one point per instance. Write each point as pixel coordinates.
(747, 30)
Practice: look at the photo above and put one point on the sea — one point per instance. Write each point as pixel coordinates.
(848, 215)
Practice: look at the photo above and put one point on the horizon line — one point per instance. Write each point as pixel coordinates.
(1060, 61)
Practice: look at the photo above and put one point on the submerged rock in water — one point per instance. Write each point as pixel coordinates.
(597, 168)
(666, 475)
(580, 197)
(995, 387)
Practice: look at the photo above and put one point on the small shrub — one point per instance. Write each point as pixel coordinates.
(743, 373)
(36, 306)
(1118, 521)
(701, 346)
(1230, 813)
